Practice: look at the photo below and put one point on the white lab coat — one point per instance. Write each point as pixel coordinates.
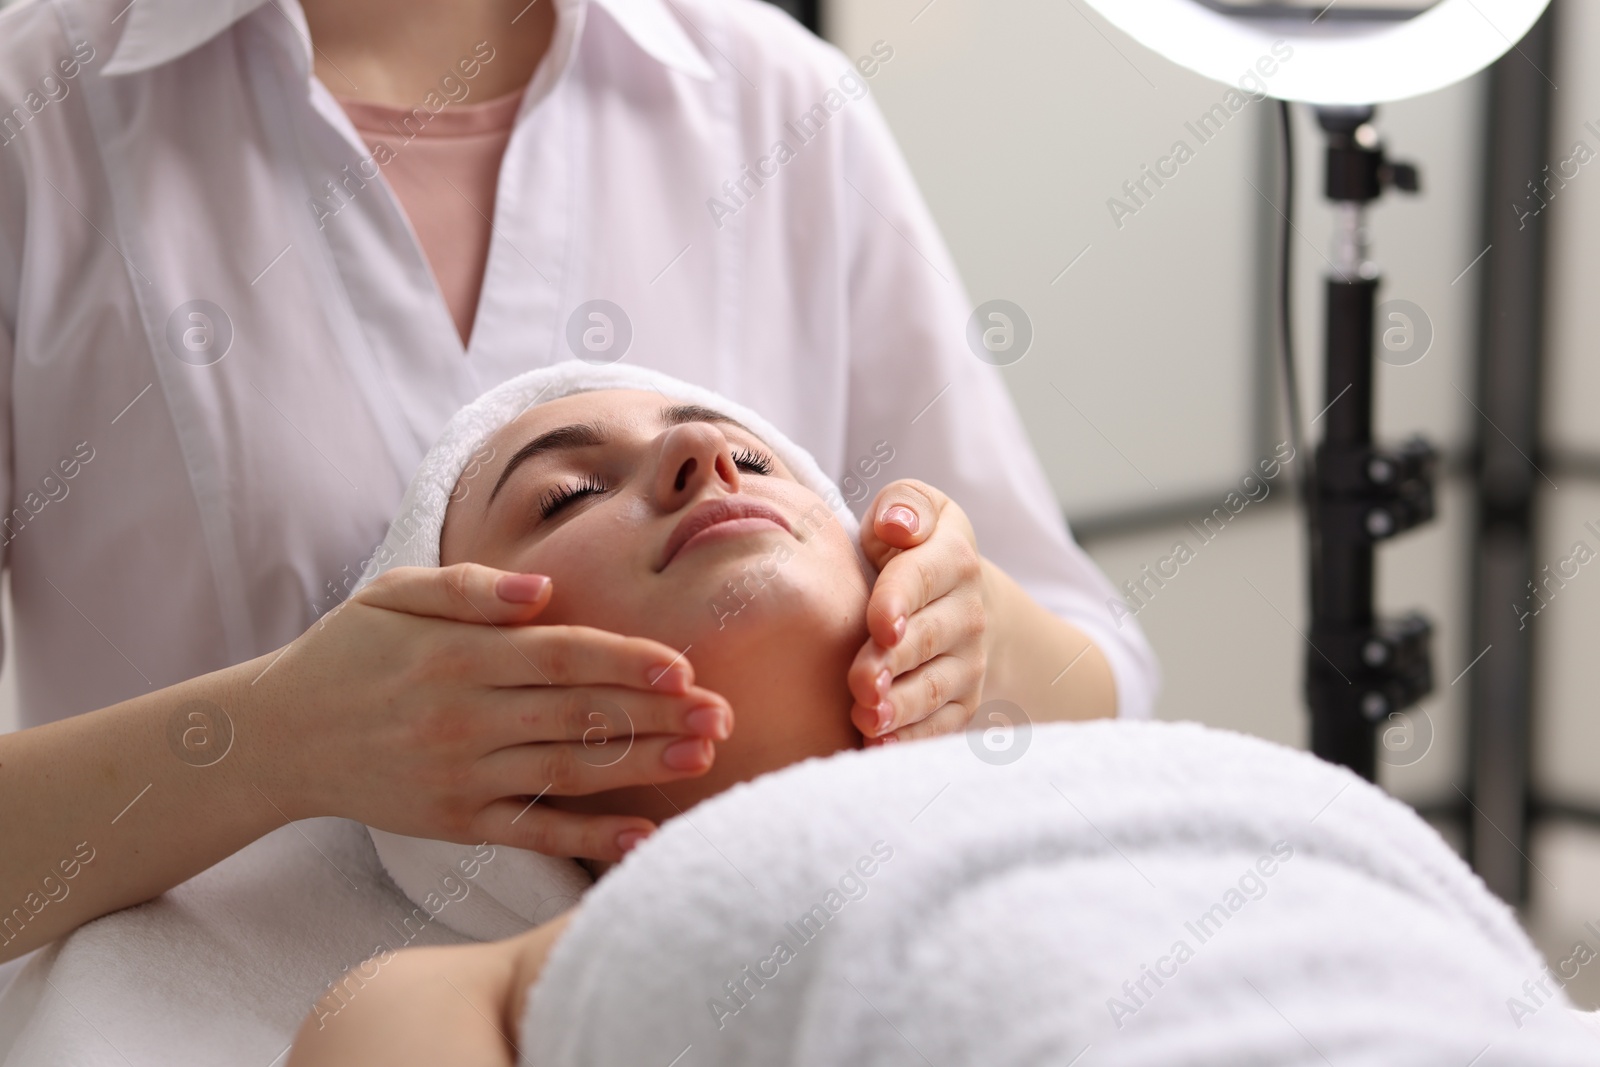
(243, 464)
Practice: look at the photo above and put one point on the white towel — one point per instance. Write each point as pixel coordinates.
(222, 969)
(526, 887)
(1127, 893)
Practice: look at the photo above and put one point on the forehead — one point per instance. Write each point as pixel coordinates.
(622, 408)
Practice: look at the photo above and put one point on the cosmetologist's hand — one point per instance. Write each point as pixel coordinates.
(426, 704)
(921, 672)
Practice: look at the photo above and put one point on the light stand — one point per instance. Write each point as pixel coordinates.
(1360, 669)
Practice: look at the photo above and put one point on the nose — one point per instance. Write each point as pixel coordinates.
(691, 456)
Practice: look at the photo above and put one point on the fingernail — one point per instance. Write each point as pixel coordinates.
(888, 739)
(899, 627)
(901, 516)
(884, 678)
(885, 715)
(629, 838)
(670, 675)
(686, 755)
(521, 588)
(709, 721)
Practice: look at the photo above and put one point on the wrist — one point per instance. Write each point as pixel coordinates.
(993, 587)
(264, 745)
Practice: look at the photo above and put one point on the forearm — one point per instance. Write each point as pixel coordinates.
(110, 808)
(1038, 660)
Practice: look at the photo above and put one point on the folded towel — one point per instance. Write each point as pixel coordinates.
(1128, 893)
(526, 887)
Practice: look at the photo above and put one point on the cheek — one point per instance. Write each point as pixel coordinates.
(592, 587)
(836, 555)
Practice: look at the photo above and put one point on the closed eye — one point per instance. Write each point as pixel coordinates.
(562, 495)
(758, 462)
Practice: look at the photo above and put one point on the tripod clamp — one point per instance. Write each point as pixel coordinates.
(1368, 671)
(1357, 169)
(1377, 493)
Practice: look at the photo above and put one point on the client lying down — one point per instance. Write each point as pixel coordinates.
(223, 968)
(1157, 893)
(672, 521)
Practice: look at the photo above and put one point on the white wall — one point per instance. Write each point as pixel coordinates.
(1020, 122)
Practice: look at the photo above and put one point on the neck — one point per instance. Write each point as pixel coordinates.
(396, 52)
(790, 702)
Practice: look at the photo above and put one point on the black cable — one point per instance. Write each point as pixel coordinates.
(1285, 306)
(1305, 467)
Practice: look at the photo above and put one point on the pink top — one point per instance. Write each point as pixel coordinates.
(444, 168)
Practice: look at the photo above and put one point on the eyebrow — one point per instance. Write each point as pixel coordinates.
(588, 434)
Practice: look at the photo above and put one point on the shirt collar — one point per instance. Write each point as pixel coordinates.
(159, 31)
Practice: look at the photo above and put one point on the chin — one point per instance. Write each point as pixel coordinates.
(743, 606)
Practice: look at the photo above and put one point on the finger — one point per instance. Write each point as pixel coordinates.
(577, 768)
(940, 627)
(524, 824)
(465, 592)
(903, 515)
(953, 718)
(917, 694)
(912, 580)
(522, 715)
(579, 655)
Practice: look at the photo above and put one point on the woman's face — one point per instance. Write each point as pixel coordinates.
(673, 522)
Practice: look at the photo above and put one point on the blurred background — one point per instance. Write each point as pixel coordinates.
(1021, 120)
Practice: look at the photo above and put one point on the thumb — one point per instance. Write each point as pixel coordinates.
(902, 515)
(465, 592)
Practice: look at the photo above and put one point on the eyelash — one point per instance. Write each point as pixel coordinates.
(562, 495)
(759, 462)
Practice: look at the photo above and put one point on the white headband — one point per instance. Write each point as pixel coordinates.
(514, 889)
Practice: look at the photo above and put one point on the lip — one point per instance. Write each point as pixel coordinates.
(710, 513)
